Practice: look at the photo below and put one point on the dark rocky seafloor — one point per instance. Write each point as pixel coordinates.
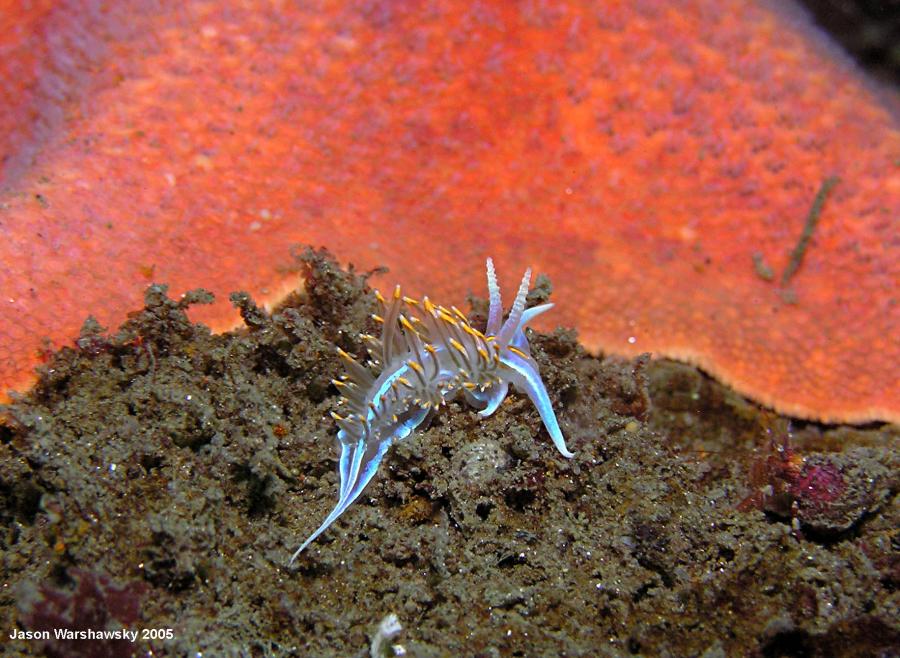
(160, 477)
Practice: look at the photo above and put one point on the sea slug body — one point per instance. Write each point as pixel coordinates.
(426, 355)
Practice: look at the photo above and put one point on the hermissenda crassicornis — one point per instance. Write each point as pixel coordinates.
(423, 359)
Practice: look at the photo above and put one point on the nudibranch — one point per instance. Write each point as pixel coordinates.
(426, 355)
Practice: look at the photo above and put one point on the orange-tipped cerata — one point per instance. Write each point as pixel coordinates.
(640, 153)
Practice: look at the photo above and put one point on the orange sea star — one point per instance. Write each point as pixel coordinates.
(640, 153)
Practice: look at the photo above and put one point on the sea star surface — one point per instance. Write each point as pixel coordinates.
(657, 159)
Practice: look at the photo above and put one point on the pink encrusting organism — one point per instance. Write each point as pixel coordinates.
(426, 356)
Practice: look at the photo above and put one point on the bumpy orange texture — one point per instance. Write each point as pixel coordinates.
(638, 152)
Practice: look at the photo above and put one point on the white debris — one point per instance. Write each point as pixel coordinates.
(381, 646)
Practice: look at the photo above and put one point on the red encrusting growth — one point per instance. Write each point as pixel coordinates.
(639, 153)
